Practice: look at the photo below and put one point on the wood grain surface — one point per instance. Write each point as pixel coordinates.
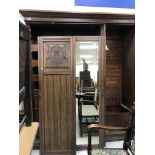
(26, 138)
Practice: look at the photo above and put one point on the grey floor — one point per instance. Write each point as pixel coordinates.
(35, 152)
(84, 140)
(116, 144)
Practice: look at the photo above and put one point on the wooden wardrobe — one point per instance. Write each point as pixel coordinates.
(53, 66)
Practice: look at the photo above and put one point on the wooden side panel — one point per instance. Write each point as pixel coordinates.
(128, 95)
(117, 119)
(112, 94)
(114, 62)
(114, 69)
(22, 60)
(113, 81)
(57, 99)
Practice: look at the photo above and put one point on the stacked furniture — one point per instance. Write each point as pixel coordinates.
(35, 80)
(27, 128)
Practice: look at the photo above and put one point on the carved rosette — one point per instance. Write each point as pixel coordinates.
(56, 56)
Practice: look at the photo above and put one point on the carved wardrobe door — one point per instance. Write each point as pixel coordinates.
(56, 95)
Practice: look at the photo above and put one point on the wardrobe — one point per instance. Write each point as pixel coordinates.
(53, 36)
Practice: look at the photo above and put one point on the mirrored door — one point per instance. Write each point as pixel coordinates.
(87, 51)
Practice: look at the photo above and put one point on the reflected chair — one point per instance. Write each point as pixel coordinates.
(129, 140)
(88, 111)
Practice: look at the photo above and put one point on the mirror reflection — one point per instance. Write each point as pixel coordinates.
(87, 102)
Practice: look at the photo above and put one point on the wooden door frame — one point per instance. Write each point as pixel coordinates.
(40, 76)
(102, 79)
(101, 68)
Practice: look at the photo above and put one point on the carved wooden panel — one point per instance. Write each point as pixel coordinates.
(56, 55)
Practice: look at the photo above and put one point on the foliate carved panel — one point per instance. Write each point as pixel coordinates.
(56, 56)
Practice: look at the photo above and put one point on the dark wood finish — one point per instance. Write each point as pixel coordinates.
(128, 81)
(70, 23)
(97, 126)
(102, 76)
(65, 17)
(116, 115)
(112, 135)
(25, 74)
(113, 64)
(114, 61)
(64, 30)
(113, 81)
(36, 105)
(35, 81)
(115, 68)
(57, 55)
(57, 100)
(115, 57)
(129, 136)
(112, 95)
(117, 118)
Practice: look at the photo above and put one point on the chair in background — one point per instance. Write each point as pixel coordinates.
(116, 113)
(88, 111)
(129, 140)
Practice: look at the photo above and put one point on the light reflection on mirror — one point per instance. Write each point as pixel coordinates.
(87, 54)
(88, 51)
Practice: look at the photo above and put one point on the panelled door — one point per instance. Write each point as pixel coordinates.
(57, 95)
